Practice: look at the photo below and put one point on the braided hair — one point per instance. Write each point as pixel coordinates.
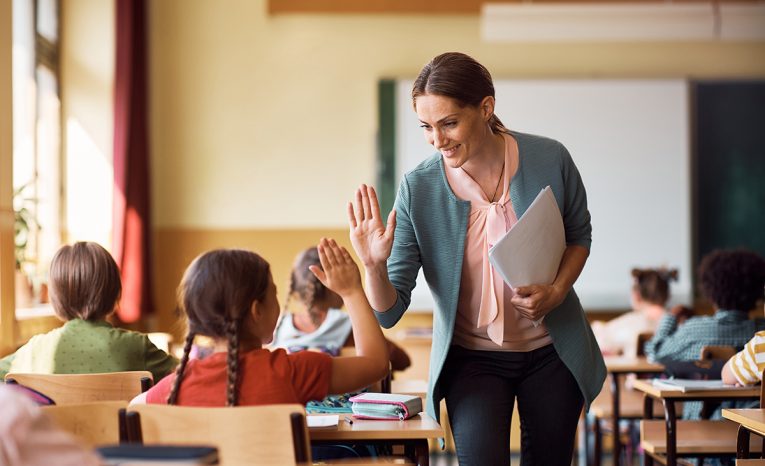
(216, 294)
(305, 286)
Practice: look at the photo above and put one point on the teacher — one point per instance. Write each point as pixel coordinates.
(487, 352)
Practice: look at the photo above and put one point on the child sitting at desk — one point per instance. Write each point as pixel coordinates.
(229, 295)
(650, 293)
(85, 288)
(746, 366)
(319, 324)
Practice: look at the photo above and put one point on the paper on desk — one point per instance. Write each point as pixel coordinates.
(691, 385)
(322, 421)
(530, 253)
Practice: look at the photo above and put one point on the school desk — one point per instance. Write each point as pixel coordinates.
(749, 420)
(616, 402)
(665, 440)
(412, 433)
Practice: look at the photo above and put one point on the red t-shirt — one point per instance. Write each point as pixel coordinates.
(265, 377)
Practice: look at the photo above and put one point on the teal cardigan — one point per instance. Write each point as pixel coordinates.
(430, 233)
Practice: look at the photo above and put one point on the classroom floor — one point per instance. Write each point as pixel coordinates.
(448, 459)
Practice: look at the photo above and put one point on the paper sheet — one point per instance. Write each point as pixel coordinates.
(530, 253)
(322, 421)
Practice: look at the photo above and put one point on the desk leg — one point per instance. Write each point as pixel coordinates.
(742, 443)
(419, 451)
(647, 414)
(671, 422)
(615, 418)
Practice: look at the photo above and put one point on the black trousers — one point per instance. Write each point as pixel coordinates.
(481, 388)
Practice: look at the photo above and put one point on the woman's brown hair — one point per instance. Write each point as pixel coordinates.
(460, 77)
(304, 285)
(84, 282)
(653, 284)
(216, 293)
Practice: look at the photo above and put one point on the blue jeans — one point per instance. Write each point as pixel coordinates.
(481, 388)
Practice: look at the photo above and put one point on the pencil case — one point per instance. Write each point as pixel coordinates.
(385, 406)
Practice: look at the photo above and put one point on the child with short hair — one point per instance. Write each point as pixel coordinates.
(229, 295)
(85, 288)
(317, 321)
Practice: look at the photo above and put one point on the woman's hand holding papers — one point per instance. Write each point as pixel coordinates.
(536, 301)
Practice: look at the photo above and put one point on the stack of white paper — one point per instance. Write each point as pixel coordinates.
(530, 253)
(692, 385)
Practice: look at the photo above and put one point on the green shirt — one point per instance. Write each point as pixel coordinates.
(85, 347)
(431, 224)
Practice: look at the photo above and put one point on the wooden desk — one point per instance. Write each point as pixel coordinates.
(749, 420)
(617, 367)
(686, 438)
(412, 433)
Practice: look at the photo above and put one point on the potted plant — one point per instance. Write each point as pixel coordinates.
(24, 222)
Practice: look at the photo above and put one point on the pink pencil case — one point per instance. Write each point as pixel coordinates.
(385, 406)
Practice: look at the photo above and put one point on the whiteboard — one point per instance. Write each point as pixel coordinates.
(630, 141)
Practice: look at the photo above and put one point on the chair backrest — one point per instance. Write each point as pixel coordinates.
(244, 435)
(642, 338)
(84, 388)
(94, 424)
(710, 352)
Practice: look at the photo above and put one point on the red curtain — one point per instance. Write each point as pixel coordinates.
(131, 161)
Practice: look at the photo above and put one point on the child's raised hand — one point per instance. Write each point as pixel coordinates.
(338, 272)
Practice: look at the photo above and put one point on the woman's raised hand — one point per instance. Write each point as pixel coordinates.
(370, 238)
(338, 272)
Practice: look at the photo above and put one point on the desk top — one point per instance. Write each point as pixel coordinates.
(752, 419)
(421, 426)
(646, 386)
(622, 364)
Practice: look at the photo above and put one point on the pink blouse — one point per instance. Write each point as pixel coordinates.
(486, 320)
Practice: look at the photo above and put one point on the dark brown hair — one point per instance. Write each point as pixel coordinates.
(84, 282)
(216, 293)
(459, 77)
(304, 285)
(732, 279)
(653, 284)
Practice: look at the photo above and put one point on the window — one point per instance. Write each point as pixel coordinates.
(37, 166)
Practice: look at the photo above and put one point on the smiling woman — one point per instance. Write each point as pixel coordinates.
(484, 340)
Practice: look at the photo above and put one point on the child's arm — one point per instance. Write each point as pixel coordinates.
(339, 273)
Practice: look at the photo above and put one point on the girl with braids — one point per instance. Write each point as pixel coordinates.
(650, 293)
(319, 322)
(230, 296)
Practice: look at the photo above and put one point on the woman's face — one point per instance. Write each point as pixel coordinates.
(457, 132)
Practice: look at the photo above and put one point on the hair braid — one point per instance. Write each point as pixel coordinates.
(172, 398)
(232, 360)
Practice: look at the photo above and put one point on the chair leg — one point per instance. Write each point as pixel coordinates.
(597, 439)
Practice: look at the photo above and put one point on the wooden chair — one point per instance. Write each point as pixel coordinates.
(711, 352)
(84, 388)
(94, 424)
(642, 338)
(246, 435)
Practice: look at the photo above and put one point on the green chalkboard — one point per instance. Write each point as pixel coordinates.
(728, 165)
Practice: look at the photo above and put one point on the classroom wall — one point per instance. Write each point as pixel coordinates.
(263, 126)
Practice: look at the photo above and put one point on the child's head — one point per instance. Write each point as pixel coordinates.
(84, 282)
(227, 294)
(732, 279)
(652, 286)
(308, 289)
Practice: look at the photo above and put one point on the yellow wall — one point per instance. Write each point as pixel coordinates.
(87, 116)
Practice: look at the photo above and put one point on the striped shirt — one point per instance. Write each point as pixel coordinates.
(748, 364)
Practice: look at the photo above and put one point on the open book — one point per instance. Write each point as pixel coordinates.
(531, 251)
(692, 385)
